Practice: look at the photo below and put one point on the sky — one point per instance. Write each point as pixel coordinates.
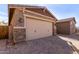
(4, 12)
(61, 11)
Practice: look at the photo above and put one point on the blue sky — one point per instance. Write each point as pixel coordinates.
(61, 11)
(3, 12)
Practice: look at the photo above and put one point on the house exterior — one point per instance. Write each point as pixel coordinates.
(30, 22)
(66, 26)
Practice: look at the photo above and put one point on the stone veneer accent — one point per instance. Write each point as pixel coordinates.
(19, 34)
(19, 18)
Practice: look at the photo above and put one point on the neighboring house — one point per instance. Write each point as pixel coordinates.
(66, 26)
(30, 22)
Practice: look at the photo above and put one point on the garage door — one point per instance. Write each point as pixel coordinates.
(37, 29)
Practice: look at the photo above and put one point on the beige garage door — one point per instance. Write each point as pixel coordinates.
(37, 29)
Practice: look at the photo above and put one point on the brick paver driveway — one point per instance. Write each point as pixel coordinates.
(3, 49)
(48, 45)
(59, 44)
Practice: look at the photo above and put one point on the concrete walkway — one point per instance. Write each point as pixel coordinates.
(72, 40)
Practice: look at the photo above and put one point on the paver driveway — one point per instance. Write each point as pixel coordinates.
(3, 49)
(59, 44)
(48, 45)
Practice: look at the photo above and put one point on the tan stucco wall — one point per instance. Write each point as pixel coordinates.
(37, 29)
(32, 14)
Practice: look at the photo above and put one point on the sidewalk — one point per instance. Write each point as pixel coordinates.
(72, 40)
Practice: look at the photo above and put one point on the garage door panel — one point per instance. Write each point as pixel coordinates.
(38, 29)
